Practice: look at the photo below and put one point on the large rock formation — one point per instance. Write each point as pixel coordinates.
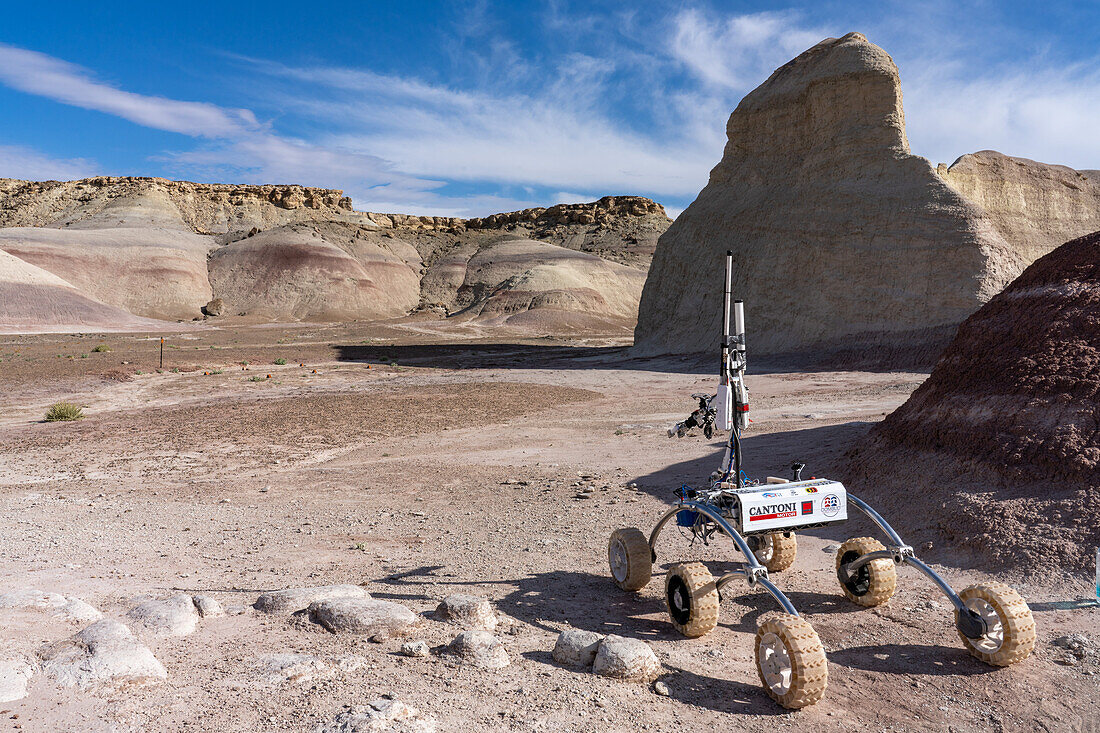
(164, 249)
(1034, 206)
(32, 299)
(328, 271)
(839, 234)
(997, 454)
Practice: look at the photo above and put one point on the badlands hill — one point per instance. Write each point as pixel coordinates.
(154, 248)
(998, 451)
(841, 236)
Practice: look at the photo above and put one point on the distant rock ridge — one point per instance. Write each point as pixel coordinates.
(164, 249)
(208, 208)
(604, 212)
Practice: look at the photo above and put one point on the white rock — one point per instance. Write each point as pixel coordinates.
(472, 612)
(14, 676)
(479, 648)
(295, 599)
(105, 655)
(73, 610)
(291, 667)
(415, 649)
(577, 648)
(380, 716)
(175, 616)
(208, 607)
(661, 689)
(626, 659)
(363, 616)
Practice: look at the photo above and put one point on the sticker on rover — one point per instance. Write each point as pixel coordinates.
(773, 511)
(830, 505)
(807, 507)
(811, 489)
(771, 494)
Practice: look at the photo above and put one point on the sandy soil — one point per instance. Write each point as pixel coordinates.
(403, 478)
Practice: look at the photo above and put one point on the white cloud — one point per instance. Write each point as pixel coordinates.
(738, 51)
(17, 161)
(37, 73)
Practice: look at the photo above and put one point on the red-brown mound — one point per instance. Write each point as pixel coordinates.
(1000, 449)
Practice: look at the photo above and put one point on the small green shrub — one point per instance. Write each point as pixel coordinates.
(175, 370)
(280, 361)
(101, 349)
(64, 411)
(217, 371)
(257, 379)
(83, 356)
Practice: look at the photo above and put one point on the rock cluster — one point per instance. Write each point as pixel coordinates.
(610, 656)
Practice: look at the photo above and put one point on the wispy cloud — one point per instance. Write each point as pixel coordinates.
(739, 51)
(17, 161)
(626, 102)
(37, 73)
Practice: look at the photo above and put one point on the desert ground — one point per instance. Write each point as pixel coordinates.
(419, 470)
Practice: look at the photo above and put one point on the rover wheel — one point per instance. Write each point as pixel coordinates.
(630, 558)
(691, 596)
(874, 583)
(791, 661)
(775, 550)
(1010, 628)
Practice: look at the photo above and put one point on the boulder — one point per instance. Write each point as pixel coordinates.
(72, 610)
(14, 676)
(577, 648)
(839, 234)
(626, 659)
(295, 599)
(379, 716)
(104, 656)
(415, 649)
(214, 308)
(472, 612)
(480, 649)
(364, 616)
(292, 667)
(175, 616)
(208, 607)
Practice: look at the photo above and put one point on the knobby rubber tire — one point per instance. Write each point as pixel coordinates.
(784, 548)
(700, 591)
(634, 547)
(881, 574)
(1017, 624)
(809, 666)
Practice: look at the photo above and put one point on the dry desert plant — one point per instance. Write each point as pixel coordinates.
(64, 411)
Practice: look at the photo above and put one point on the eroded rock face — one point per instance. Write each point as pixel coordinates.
(1010, 414)
(326, 272)
(297, 599)
(105, 656)
(1034, 206)
(836, 229)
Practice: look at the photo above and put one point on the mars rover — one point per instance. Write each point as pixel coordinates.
(993, 621)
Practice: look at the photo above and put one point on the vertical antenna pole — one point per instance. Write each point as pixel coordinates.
(161, 352)
(726, 320)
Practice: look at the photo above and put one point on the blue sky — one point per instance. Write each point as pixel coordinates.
(468, 108)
